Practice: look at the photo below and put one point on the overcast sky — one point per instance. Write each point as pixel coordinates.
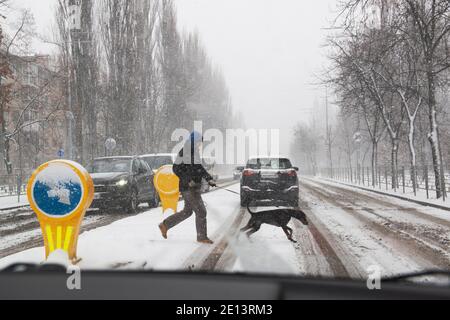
(268, 50)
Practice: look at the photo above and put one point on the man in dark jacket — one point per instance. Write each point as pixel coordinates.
(189, 169)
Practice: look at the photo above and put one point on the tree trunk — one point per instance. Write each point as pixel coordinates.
(350, 166)
(433, 136)
(394, 163)
(374, 161)
(412, 153)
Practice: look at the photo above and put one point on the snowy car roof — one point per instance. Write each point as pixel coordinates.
(268, 157)
(157, 154)
(117, 157)
(172, 155)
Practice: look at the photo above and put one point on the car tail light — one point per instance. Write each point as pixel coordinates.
(248, 173)
(291, 173)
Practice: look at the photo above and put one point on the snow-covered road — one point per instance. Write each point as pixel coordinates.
(349, 231)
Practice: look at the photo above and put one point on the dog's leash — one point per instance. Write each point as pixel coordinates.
(231, 191)
(224, 188)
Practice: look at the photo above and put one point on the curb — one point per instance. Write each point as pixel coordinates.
(423, 203)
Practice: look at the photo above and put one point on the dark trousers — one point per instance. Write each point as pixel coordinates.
(192, 203)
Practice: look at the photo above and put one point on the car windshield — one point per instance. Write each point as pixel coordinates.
(156, 162)
(110, 165)
(269, 163)
(321, 130)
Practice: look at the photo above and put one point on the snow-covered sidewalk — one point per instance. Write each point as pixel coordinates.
(7, 202)
(420, 197)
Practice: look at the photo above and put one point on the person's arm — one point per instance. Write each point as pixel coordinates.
(201, 171)
(208, 177)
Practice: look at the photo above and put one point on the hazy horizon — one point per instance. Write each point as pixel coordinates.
(268, 51)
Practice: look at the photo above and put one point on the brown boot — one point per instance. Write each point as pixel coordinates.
(163, 229)
(205, 241)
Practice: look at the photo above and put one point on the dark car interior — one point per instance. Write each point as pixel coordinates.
(49, 283)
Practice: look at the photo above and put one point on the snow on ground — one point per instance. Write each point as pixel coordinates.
(351, 230)
(421, 194)
(443, 214)
(11, 201)
(16, 239)
(136, 242)
(267, 251)
(360, 244)
(381, 230)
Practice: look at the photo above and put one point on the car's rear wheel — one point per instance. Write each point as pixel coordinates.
(132, 202)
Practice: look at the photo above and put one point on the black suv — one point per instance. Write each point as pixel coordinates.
(269, 180)
(122, 182)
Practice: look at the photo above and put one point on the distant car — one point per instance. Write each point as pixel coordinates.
(270, 179)
(122, 182)
(157, 160)
(237, 172)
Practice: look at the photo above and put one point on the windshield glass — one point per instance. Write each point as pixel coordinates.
(110, 165)
(269, 163)
(337, 112)
(156, 162)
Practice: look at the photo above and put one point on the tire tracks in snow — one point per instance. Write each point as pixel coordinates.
(412, 209)
(205, 257)
(314, 251)
(424, 232)
(411, 244)
(317, 250)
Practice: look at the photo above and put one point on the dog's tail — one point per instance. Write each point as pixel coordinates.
(300, 215)
(248, 208)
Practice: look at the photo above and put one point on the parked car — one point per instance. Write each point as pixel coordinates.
(122, 182)
(269, 179)
(237, 172)
(157, 160)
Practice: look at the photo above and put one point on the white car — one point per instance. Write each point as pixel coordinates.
(157, 160)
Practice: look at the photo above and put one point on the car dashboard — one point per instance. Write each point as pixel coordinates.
(149, 285)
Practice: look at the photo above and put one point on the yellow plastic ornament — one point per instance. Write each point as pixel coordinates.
(166, 183)
(60, 192)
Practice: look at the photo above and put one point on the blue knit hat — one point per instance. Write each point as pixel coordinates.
(196, 137)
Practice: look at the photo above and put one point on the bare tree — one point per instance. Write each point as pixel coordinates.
(430, 20)
(397, 51)
(26, 101)
(305, 147)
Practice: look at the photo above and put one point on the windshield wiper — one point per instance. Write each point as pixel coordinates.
(418, 274)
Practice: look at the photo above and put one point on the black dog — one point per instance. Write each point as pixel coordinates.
(278, 217)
